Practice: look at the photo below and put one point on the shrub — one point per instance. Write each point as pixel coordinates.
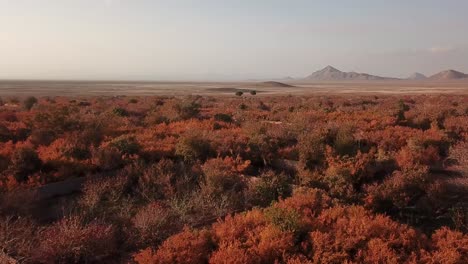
(108, 158)
(84, 104)
(104, 195)
(14, 100)
(344, 141)
(187, 109)
(221, 177)
(354, 234)
(133, 101)
(400, 190)
(253, 92)
(311, 149)
(223, 117)
(24, 162)
(269, 245)
(158, 181)
(29, 102)
(268, 188)
(250, 238)
(192, 147)
(309, 203)
(154, 224)
(72, 241)
(288, 220)
(449, 247)
(17, 238)
(339, 181)
(92, 134)
(239, 93)
(120, 112)
(186, 247)
(126, 145)
(415, 155)
(5, 134)
(42, 136)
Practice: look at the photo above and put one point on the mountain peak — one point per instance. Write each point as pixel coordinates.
(449, 75)
(330, 68)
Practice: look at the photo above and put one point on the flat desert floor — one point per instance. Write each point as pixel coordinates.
(113, 88)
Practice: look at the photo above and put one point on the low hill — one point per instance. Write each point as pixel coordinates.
(417, 76)
(273, 84)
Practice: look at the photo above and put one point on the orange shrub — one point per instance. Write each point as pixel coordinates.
(186, 247)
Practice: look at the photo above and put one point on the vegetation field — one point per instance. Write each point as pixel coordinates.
(267, 177)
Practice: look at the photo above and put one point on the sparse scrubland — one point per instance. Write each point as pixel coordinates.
(241, 179)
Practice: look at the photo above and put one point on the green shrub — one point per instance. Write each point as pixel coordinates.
(193, 147)
(220, 177)
(126, 145)
(29, 102)
(223, 117)
(120, 112)
(24, 162)
(311, 148)
(187, 110)
(268, 188)
(287, 220)
(345, 143)
(108, 158)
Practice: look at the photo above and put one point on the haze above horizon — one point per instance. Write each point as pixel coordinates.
(235, 40)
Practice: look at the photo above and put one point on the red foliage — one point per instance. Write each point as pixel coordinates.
(186, 247)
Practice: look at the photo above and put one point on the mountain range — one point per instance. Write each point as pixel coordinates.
(330, 73)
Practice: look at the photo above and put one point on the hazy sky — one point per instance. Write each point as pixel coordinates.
(237, 39)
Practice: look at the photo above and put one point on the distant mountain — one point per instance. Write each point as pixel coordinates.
(448, 75)
(332, 74)
(417, 76)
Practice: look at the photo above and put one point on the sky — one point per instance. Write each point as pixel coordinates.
(229, 39)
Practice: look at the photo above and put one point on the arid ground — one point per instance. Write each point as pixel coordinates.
(78, 88)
